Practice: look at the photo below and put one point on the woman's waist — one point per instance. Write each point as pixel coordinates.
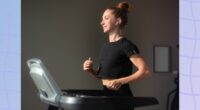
(105, 81)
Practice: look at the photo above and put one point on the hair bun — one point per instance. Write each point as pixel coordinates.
(124, 6)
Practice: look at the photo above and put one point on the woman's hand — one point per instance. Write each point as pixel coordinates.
(113, 84)
(88, 65)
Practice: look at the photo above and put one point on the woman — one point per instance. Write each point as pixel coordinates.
(118, 56)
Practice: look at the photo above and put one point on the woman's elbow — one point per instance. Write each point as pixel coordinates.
(146, 71)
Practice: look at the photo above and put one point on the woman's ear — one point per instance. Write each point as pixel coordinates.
(119, 21)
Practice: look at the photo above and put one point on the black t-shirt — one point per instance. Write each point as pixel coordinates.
(114, 59)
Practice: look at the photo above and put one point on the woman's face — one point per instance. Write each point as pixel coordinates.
(109, 21)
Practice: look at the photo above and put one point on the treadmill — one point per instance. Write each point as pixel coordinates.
(75, 99)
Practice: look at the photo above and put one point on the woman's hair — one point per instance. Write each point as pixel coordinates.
(120, 11)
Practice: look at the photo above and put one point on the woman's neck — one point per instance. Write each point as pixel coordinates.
(115, 36)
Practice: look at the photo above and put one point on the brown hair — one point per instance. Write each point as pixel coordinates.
(120, 11)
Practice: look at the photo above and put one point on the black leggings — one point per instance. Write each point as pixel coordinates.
(124, 91)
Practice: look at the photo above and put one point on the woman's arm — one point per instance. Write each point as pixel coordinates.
(88, 67)
(142, 71)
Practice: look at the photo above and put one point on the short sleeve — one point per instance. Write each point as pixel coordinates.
(129, 48)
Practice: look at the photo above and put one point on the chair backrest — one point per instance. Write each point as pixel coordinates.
(49, 92)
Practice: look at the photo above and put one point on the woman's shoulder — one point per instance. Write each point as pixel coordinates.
(127, 42)
(129, 47)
